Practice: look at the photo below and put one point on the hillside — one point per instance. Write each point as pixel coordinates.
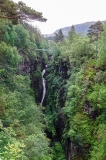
(80, 28)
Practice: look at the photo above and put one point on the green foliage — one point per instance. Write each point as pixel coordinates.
(29, 13)
(101, 61)
(9, 55)
(21, 38)
(75, 98)
(59, 37)
(96, 96)
(13, 151)
(58, 153)
(71, 134)
(8, 9)
(72, 34)
(95, 31)
(37, 146)
(28, 127)
(99, 148)
(20, 11)
(71, 104)
(83, 111)
(21, 126)
(10, 147)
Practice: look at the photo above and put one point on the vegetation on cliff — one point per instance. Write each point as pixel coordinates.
(22, 123)
(72, 122)
(76, 94)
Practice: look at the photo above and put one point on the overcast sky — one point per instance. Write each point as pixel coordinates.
(63, 13)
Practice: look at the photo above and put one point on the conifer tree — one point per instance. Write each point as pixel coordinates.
(20, 11)
(59, 37)
(95, 31)
(72, 33)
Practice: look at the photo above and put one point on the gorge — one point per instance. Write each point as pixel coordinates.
(52, 93)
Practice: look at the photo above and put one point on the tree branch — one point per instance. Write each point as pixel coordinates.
(13, 17)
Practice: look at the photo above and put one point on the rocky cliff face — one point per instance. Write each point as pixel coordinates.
(33, 69)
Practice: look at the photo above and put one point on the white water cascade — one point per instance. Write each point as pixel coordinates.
(44, 86)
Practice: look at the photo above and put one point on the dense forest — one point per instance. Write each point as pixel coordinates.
(70, 122)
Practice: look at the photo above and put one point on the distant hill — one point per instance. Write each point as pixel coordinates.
(79, 28)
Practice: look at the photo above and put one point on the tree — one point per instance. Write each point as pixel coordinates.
(59, 37)
(95, 31)
(20, 131)
(72, 34)
(27, 13)
(20, 11)
(102, 49)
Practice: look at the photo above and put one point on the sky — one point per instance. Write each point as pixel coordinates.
(64, 13)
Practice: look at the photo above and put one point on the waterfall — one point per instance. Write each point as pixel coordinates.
(44, 86)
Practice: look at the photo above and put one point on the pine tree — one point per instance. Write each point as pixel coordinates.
(59, 37)
(95, 31)
(71, 34)
(20, 11)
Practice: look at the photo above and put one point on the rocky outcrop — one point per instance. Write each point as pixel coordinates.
(33, 69)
